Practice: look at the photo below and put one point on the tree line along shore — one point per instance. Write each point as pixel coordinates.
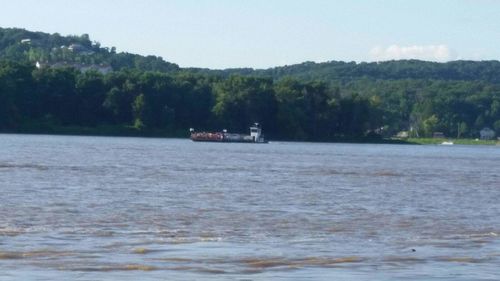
(70, 85)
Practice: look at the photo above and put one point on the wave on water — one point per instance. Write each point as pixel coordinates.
(10, 255)
(147, 260)
(296, 263)
(42, 167)
(23, 166)
(7, 231)
(256, 264)
(333, 172)
(463, 259)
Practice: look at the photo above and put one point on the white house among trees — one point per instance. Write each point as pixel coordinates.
(487, 133)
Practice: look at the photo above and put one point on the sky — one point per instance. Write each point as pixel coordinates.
(221, 34)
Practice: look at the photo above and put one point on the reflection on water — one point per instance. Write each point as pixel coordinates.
(92, 208)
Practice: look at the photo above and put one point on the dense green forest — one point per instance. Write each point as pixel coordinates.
(145, 95)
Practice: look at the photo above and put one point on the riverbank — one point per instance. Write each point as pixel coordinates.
(453, 141)
(130, 131)
(104, 130)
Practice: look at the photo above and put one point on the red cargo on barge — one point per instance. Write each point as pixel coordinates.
(254, 137)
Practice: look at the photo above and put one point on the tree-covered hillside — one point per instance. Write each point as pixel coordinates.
(309, 101)
(27, 46)
(488, 71)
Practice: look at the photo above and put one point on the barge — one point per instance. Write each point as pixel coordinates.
(255, 136)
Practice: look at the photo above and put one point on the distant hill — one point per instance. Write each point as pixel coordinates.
(23, 45)
(28, 46)
(488, 71)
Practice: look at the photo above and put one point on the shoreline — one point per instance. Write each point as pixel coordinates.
(124, 131)
(454, 141)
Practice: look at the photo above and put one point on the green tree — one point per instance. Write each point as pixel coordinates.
(142, 113)
(91, 93)
(430, 125)
(291, 116)
(462, 128)
(241, 101)
(496, 127)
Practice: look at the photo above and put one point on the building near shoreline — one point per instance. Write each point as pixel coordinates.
(486, 134)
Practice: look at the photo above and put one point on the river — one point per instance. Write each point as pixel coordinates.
(112, 208)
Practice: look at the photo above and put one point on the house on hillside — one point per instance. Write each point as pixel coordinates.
(101, 68)
(487, 134)
(78, 48)
(438, 135)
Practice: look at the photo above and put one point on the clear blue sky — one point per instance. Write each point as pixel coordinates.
(266, 33)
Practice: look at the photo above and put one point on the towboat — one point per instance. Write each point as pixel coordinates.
(255, 136)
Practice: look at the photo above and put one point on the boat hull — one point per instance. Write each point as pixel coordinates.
(254, 137)
(225, 138)
(226, 141)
